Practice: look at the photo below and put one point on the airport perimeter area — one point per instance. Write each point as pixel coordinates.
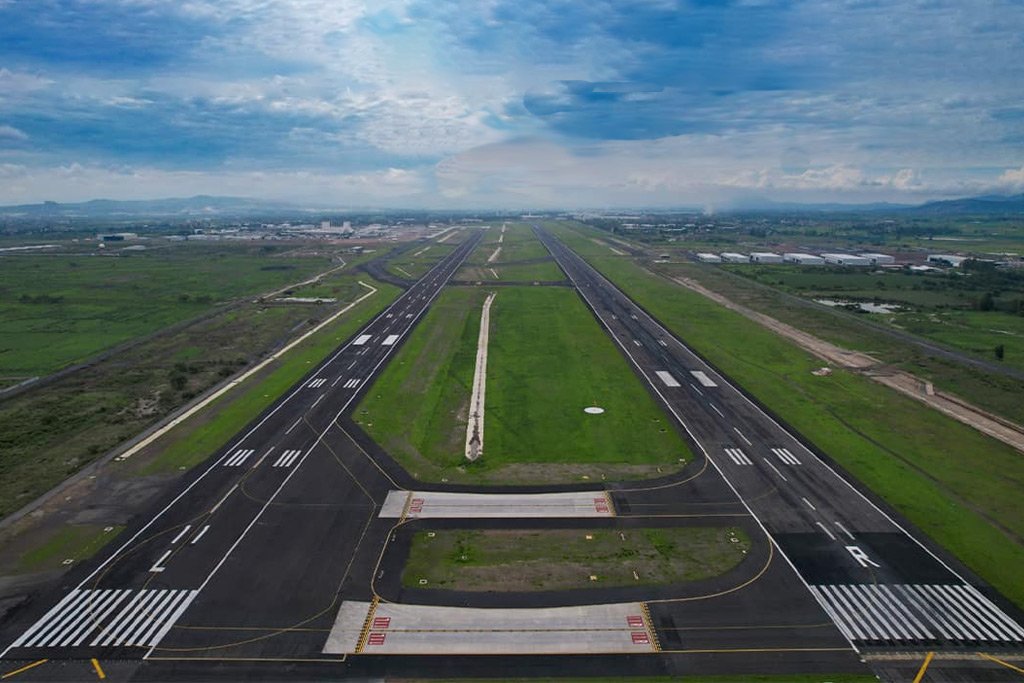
(284, 555)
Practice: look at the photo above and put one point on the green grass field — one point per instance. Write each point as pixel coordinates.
(72, 542)
(559, 559)
(543, 271)
(196, 439)
(958, 486)
(416, 261)
(548, 360)
(58, 310)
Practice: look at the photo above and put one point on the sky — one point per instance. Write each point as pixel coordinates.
(512, 103)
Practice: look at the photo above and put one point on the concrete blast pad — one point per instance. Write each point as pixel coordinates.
(348, 627)
(450, 505)
(427, 629)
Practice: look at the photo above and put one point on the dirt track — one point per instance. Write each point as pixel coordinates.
(903, 382)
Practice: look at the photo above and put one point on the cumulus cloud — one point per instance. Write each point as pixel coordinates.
(528, 101)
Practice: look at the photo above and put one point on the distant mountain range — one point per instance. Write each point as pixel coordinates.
(198, 206)
(213, 206)
(988, 205)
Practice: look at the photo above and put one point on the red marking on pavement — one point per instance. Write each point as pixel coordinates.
(635, 621)
(379, 638)
(639, 638)
(380, 623)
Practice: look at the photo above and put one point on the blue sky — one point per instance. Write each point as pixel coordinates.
(511, 103)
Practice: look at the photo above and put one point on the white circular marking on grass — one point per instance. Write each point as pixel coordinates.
(593, 410)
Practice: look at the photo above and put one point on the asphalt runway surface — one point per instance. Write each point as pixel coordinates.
(248, 568)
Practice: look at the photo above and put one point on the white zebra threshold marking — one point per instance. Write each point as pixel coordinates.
(738, 456)
(239, 457)
(917, 612)
(108, 617)
(785, 456)
(287, 458)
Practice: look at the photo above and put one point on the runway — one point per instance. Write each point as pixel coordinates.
(281, 556)
(878, 583)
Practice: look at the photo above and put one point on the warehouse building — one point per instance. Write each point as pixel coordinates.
(734, 257)
(802, 259)
(709, 258)
(880, 259)
(765, 257)
(846, 260)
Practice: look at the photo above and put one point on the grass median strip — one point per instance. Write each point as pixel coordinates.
(958, 486)
(558, 559)
(548, 360)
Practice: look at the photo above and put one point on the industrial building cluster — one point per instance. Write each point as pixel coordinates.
(800, 258)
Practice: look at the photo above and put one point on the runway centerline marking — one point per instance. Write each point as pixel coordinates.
(749, 443)
(774, 469)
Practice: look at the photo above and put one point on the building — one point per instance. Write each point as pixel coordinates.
(846, 260)
(946, 259)
(765, 257)
(802, 259)
(709, 258)
(734, 257)
(880, 259)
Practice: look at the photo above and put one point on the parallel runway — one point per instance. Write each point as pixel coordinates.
(262, 561)
(875, 580)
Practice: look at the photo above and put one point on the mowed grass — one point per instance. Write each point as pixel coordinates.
(956, 485)
(543, 271)
(547, 361)
(560, 559)
(58, 310)
(416, 261)
(71, 542)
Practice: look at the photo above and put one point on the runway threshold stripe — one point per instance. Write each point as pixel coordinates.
(1013, 628)
(916, 613)
(45, 618)
(94, 601)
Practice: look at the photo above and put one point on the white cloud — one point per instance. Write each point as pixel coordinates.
(12, 133)
(79, 182)
(1013, 178)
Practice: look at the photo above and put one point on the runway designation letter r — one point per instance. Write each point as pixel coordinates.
(861, 556)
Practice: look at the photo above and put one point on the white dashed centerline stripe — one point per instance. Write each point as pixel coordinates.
(774, 469)
(715, 408)
(219, 502)
(748, 442)
(294, 425)
(846, 531)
